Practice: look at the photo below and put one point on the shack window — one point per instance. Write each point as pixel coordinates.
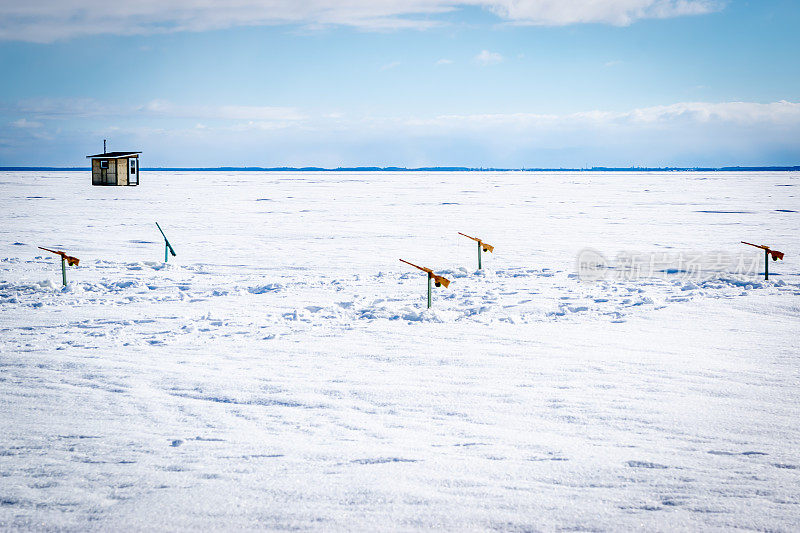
(133, 166)
(103, 163)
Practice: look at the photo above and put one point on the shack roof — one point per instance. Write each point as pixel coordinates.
(112, 155)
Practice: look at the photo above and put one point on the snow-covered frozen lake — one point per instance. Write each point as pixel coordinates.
(282, 372)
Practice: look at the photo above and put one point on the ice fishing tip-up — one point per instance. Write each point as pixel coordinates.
(482, 246)
(767, 252)
(437, 280)
(65, 260)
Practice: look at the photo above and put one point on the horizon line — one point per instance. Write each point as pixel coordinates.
(776, 168)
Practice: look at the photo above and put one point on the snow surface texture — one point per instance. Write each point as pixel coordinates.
(283, 371)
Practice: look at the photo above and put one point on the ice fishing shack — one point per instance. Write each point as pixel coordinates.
(115, 168)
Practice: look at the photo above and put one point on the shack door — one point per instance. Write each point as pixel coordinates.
(133, 171)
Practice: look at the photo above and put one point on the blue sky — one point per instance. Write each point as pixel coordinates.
(506, 83)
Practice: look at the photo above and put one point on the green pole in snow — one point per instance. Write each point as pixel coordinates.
(64, 271)
(479, 256)
(766, 264)
(167, 246)
(430, 277)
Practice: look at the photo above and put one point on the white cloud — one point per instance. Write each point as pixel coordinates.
(486, 58)
(681, 114)
(444, 61)
(390, 66)
(51, 20)
(617, 12)
(162, 108)
(25, 123)
(59, 108)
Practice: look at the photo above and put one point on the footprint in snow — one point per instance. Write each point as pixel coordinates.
(645, 464)
(748, 453)
(382, 460)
